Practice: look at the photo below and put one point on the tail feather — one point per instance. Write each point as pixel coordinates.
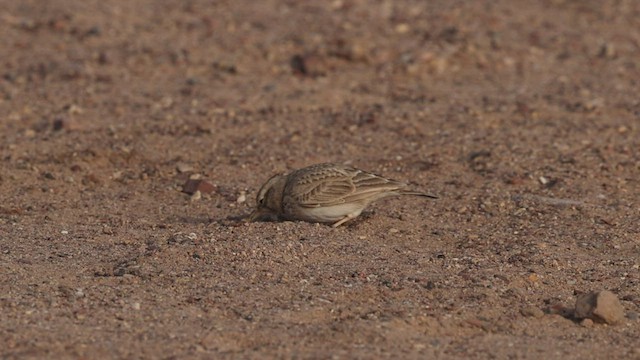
(417, 193)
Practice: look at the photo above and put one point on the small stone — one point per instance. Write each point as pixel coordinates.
(196, 196)
(602, 306)
(91, 179)
(586, 323)
(74, 109)
(532, 311)
(402, 28)
(594, 104)
(607, 51)
(49, 176)
(312, 65)
(543, 180)
(64, 123)
(79, 293)
(184, 168)
(191, 186)
(242, 198)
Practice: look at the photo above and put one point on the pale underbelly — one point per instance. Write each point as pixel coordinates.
(328, 213)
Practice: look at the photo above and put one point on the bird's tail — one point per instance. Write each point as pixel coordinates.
(417, 193)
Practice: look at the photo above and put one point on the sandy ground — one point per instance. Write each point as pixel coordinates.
(523, 116)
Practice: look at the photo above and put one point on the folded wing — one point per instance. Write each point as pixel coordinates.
(330, 186)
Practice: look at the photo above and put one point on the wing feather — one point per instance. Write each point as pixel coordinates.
(330, 185)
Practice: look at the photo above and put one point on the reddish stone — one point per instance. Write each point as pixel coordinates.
(191, 186)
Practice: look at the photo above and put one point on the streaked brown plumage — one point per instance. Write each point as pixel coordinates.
(324, 193)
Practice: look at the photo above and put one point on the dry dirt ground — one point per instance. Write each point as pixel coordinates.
(523, 116)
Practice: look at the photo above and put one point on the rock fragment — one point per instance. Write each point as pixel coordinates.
(184, 168)
(65, 123)
(532, 311)
(312, 65)
(203, 186)
(586, 323)
(600, 306)
(242, 197)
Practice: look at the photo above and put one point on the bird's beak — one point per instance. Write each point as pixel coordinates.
(262, 214)
(258, 214)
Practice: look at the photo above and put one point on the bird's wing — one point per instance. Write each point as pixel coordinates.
(328, 186)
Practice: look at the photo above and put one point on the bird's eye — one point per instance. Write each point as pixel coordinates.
(261, 200)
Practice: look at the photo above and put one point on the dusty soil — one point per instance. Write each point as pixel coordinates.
(523, 116)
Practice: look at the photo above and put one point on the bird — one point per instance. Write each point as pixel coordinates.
(324, 193)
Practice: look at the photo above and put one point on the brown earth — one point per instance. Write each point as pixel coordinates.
(524, 116)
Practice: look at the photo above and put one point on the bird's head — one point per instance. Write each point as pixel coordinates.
(269, 199)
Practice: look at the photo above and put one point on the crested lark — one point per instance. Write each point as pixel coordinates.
(324, 193)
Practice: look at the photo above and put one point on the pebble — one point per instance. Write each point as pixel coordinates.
(312, 65)
(64, 123)
(402, 28)
(191, 186)
(607, 51)
(91, 179)
(600, 306)
(586, 323)
(532, 311)
(242, 197)
(184, 168)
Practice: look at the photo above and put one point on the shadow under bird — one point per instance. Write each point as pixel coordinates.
(324, 193)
